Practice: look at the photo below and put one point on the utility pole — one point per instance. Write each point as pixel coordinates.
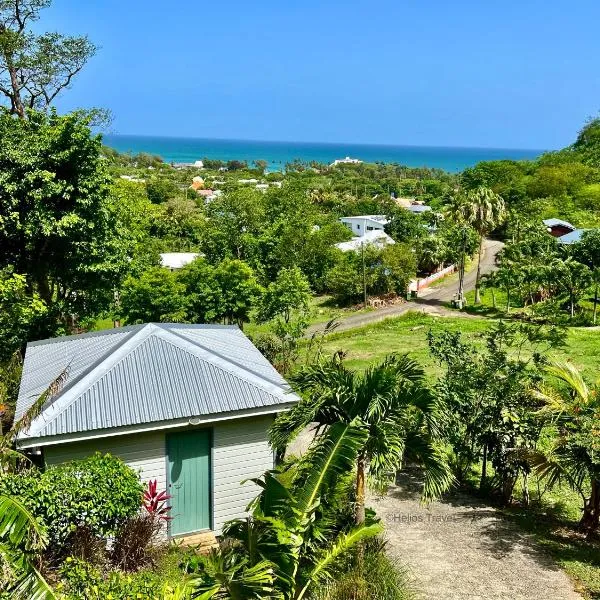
(364, 274)
(461, 274)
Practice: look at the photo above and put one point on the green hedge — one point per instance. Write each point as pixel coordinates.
(100, 491)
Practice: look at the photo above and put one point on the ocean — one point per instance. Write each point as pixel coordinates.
(277, 154)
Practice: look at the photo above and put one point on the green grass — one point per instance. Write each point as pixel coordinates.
(322, 310)
(408, 333)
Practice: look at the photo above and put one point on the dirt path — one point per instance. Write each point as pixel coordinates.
(431, 300)
(462, 549)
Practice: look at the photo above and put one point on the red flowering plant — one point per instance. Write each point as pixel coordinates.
(155, 502)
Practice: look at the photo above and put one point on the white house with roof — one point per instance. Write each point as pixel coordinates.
(187, 405)
(345, 161)
(361, 224)
(377, 238)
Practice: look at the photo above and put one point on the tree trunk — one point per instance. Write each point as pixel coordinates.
(483, 468)
(525, 489)
(493, 297)
(360, 490)
(507, 300)
(478, 278)
(572, 306)
(595, 302)
(591, 510)
(17, 103)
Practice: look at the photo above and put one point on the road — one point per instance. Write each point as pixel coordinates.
(431, 300)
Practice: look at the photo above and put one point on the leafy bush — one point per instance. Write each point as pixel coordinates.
(99, 491)
(80, 580)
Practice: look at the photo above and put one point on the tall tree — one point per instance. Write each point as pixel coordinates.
(288, 293)
(484, 210)
(238, 290)
(58, 221)
(389, 402)
(156, 295)
(35, 68)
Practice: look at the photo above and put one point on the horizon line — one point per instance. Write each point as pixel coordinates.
(373, 144)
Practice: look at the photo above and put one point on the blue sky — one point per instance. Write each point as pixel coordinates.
(489, 73)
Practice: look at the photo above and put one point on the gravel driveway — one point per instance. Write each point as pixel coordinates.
(462, 549)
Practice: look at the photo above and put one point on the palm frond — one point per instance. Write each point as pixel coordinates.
(334, 454)
(36, 408)
(326, 562)
(571, 376)
(19, 527)
(438, 477)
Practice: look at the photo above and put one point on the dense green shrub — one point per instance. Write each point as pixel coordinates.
(100, 492)
(80, 580)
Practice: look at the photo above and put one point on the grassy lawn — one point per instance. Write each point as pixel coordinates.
(322, 310)
(408, 333)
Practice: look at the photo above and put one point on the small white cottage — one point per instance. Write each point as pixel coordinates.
(187, 405)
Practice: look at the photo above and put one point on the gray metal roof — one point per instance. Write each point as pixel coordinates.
(145, 374)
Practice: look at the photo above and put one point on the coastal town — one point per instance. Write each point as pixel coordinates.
(236, 369)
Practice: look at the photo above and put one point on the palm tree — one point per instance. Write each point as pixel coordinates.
(389, 402)
(508, 277)
(21, 536)
(572, 277)
(483, 210)
(575, 412)
(596, 282)
(292, 540)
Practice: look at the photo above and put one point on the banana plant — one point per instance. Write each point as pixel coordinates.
(288, 544)
(21, 536)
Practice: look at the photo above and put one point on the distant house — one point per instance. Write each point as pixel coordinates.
(363, 223)
(132, 178)
(187, 405)
(263, 187)
(177, 260)
(247, 181)
(199, 164)
(345, 161)
(558, 227)
(418, 208)
(376, 237)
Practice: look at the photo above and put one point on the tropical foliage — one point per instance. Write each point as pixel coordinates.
(294, 539)
(390, 403)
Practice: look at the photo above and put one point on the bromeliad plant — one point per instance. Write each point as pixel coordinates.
(390, 404)
(155, 502)
(293, 539)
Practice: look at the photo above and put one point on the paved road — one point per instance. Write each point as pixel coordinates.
(445, 293)
(431, 300)
(459, 548)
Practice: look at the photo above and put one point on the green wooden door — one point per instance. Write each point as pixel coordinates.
(189, 480)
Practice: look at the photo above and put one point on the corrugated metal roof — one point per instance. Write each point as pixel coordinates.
(147, 373)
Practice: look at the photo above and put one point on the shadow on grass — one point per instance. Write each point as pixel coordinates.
(578, 556)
